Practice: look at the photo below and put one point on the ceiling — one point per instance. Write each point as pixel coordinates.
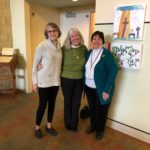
(63, 3)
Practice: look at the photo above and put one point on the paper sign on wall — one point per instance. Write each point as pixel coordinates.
(129, 22)
(127, 55)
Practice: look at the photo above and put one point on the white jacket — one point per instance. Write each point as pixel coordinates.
(51, 58)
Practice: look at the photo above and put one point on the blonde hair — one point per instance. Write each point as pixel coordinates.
(67, 42)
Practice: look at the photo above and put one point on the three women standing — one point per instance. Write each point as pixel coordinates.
(100, 75)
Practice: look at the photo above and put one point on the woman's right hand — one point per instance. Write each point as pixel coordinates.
(105, 96)
(35, 87)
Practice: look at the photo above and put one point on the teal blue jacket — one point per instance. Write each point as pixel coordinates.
(105, 73)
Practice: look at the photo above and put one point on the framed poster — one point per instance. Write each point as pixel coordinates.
(127, 55)
(129, 22)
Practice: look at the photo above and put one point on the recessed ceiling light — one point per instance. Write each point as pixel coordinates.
(74, 0)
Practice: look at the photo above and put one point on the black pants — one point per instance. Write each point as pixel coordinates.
(72, 91)
(46, 95)
(98, 112)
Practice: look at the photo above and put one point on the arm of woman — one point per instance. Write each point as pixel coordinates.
(112, 70)
(37, 60)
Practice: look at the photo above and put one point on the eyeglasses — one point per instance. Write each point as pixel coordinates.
(50, 31)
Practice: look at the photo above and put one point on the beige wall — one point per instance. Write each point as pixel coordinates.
(66, 24)
(106, 8)
(131, 101)
(28, 47)
(20, 13)
(40, 16)
(79, 8)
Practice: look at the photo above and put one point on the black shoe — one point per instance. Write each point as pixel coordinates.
(51, 131)
(89, 130)
(38, 134)
(74, 129)
(68, 127)
(99, 135)
(71, 128)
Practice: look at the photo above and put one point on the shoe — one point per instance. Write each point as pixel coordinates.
(74, 129)
(68, 127)
(38, 134)
(71, 128)
(99, 135)
(89, 130)
(51, 131)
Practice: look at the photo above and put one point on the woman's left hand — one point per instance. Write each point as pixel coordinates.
(105, 96)
(39, 67)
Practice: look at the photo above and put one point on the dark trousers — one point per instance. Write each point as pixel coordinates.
(98, 112)
(46, 95)
(72, 91)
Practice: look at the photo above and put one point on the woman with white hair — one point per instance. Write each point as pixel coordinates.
(73, 63)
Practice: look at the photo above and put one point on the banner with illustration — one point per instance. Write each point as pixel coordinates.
(129, 22)
(127, 55)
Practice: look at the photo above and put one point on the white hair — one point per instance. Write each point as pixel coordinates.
(67, 42)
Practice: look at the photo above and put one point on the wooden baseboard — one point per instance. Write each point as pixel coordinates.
(129, 131)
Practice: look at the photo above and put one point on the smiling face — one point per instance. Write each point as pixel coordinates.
(97, 42)
(52, 33)
(75, 39)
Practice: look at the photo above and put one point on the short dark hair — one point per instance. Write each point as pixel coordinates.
(53, 25)
(100, 34)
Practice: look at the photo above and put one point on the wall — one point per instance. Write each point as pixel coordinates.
(5, 24)
(28, 47)
(5, 36)
(79, 8)
(19, 41)
(130, 107)
(40, 16)
(83, 15)
(20, 14)
(73, 22)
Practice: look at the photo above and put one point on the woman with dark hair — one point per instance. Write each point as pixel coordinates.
(46, 80)
(100, 75)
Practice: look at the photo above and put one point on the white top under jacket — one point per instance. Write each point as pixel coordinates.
(94, 58)
(51, 58)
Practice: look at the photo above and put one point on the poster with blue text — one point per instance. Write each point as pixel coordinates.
(127, 55)
(129, 22)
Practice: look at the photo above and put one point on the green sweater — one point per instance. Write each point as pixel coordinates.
(73, 62)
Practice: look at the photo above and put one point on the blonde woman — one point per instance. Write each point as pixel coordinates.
(72, 77)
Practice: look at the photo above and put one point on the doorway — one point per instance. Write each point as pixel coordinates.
(80, 20)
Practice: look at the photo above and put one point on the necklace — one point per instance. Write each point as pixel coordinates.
(93, 61)
(75, 54)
